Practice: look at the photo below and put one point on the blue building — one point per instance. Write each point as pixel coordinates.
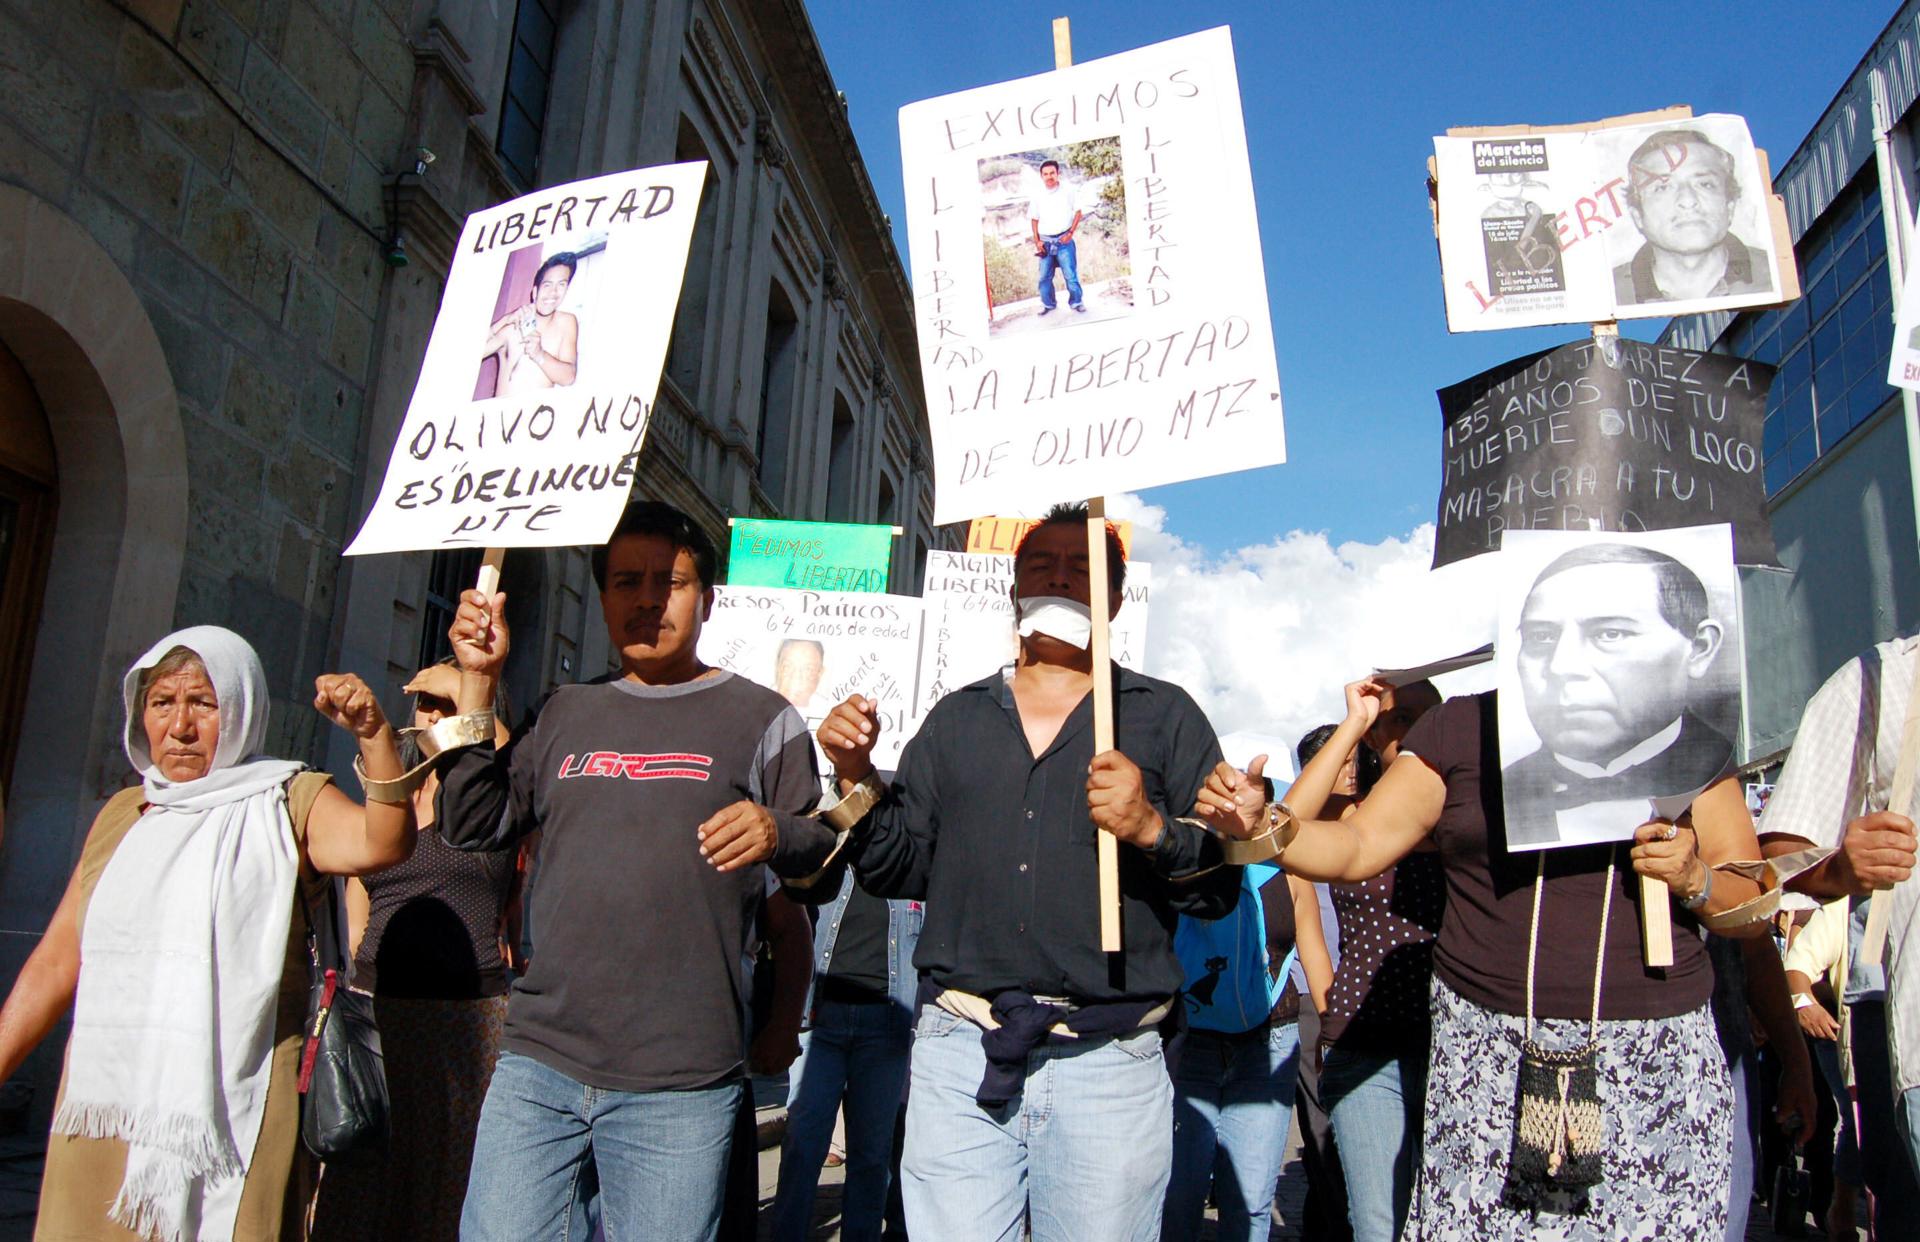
(1841, 449)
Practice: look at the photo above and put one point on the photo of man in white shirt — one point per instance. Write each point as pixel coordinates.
(1055, 215)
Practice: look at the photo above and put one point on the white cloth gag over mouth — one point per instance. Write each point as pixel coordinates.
(1068, 620)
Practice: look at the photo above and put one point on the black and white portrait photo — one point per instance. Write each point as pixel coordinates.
(1696, 202)
(1619, 673)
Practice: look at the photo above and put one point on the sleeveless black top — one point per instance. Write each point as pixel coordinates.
(433, 927)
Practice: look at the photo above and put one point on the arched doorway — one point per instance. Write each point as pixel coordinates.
(29, 494)
(106, 483)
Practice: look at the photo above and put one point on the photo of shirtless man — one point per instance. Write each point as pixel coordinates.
(537, 344)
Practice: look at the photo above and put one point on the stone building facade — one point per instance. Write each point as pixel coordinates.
(222, 247)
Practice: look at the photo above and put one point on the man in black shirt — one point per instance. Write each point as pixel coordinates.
(1039, 1089)
(658, 793)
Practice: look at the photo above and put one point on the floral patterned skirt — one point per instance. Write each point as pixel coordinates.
(1669, 1140)
(439, 1058)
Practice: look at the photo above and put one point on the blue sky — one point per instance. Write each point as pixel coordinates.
(1342, 102)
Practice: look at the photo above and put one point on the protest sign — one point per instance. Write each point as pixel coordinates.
(1618, 666)
(1654, 215)
(1003, 534)
(1903, 367)
(970, 626)
(816, 648)
(1092, 305)
(525, 426)
(816, 556)
(1604, 434)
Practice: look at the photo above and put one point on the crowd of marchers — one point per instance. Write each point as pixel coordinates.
(584, 927)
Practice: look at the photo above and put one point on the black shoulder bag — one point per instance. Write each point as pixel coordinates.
(343, 1079)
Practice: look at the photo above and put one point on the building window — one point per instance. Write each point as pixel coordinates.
(523, 110)
(1832, 345)
(842, 464)
(779, 372)
(452, 571)
(685, 346)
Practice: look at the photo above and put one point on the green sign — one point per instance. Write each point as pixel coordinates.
(815, 556)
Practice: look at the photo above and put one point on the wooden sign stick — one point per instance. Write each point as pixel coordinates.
(1873, 939)
(1656, 915)
(488, 581)
(1101, 647)
(1101, 650)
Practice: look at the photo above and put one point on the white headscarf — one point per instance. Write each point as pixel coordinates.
(181, 952)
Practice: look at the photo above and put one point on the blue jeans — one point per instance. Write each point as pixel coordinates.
(1060, 255)
(1740, 1188)
(1377, 1104)
(1884, 1161)
(660, 1158)
(859, 1053)
(1082, 1152)
(1232, 1104)
(1846, 1149)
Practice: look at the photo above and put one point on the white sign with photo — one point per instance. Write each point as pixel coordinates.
(1618, 665)
(525, 426)
(1091, 301)
(1610, 221)
(1903, 367)
(817, 648)
(970, 626)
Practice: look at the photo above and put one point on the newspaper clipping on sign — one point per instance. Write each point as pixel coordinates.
(1611, 221)
(525, 426)
(1090, 296)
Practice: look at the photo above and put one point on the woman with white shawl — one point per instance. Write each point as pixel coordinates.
(180, 945)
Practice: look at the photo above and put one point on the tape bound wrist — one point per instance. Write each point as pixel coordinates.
(1272, 841)
(453, 732)
(850, 809)
(395, 792)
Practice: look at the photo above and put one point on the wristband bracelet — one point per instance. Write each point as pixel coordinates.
(1699, 899)
(1803, 1000)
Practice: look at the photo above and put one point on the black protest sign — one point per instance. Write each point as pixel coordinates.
(1604, 434)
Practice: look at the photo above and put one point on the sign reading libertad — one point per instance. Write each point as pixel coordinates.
(1086, 263)
(525, 426)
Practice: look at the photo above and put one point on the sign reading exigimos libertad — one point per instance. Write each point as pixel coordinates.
(1092, 305)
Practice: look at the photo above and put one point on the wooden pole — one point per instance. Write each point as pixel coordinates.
(488, 581)
(1101, 650)
(1101, 647)
(1873, 939)
(1656, 916)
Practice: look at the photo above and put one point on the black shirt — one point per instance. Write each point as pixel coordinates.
(1481, 952)
(857, 971)
(433, 924)
(640, 983)
(1000, 845)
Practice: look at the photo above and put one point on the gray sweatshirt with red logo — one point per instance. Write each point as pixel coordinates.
(637, 981)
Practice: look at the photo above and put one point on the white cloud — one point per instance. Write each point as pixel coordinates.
(1265, 636)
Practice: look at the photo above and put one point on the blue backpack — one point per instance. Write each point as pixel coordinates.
(1229, 985)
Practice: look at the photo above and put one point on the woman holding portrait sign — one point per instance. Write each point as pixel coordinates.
(1572, 1092)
